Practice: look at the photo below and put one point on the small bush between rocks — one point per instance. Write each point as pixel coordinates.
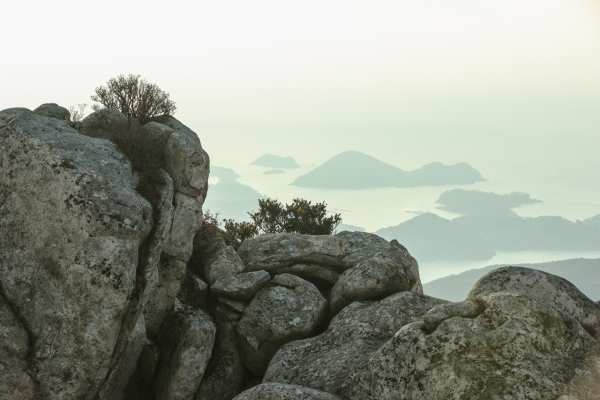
(301, 216)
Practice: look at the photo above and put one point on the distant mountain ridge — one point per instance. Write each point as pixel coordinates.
(356, 170)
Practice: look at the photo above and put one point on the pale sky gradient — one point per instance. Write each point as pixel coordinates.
(313, 78)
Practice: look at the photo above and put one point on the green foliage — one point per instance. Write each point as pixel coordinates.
(134, 97)
(299, 217)
(237, 232)
(273, 217)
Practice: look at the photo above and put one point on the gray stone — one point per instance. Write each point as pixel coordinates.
(187, 220)
(185, 160)
(69, 263)
(226, 373)
(287, 308)
(9, 114)
(194, 291)
(115, 385)
(53, 110)
(280, 391)
(519, 347)
(438, 314)
(392, 270)
(323, 362)
(240, 286)
(161, 299)
(204, 249)
(15, 383)
(321, 276)
(186, 341)
(175, 124)
(360, 246)
(272, 251)
(223, 263)
(106, 124)
(237, 306)
(547, 287)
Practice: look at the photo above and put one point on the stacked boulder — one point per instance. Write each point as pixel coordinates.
(106, 293)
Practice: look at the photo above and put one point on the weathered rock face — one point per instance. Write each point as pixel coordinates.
(287, 308)
(279, 391)
(324, 362)
(15, 382)
(69, 263)
(360, 246)
(392, 270)
(272, 251)
(186, 341)
(240, 286)
(222, 263)
(53, 110)
(518, 347)
(546, 287)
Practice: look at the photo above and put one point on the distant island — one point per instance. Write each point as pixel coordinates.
(274, 172)
(356, 170)
(582, 272)
(273, 161)
(223, 173)
(430, 237)
(474, 202)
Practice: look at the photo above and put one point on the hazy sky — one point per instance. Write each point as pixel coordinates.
(313, 78)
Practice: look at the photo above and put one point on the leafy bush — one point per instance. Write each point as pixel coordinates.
(237, 232)
(134, 97)
(299, 217)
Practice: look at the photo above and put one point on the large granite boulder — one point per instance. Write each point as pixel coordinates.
(360, 246)
(287, 308)
(186, 342)
(68, 266)
(323, 362)
(240, 286)
(546, 287)
(518, 347)
(279, 391)
(273, 251)
(53, 110)
(392, 270)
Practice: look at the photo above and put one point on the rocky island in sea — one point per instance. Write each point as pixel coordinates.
(108, 291)
(274, 161)
(355, 170)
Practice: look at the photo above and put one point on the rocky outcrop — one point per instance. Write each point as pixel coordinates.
(80, 268)
(390, 271)
(278, 391)
(108, 291)
(68, 266)
(324, 362)
(272, 251)
(287, 308)
(509, 343)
